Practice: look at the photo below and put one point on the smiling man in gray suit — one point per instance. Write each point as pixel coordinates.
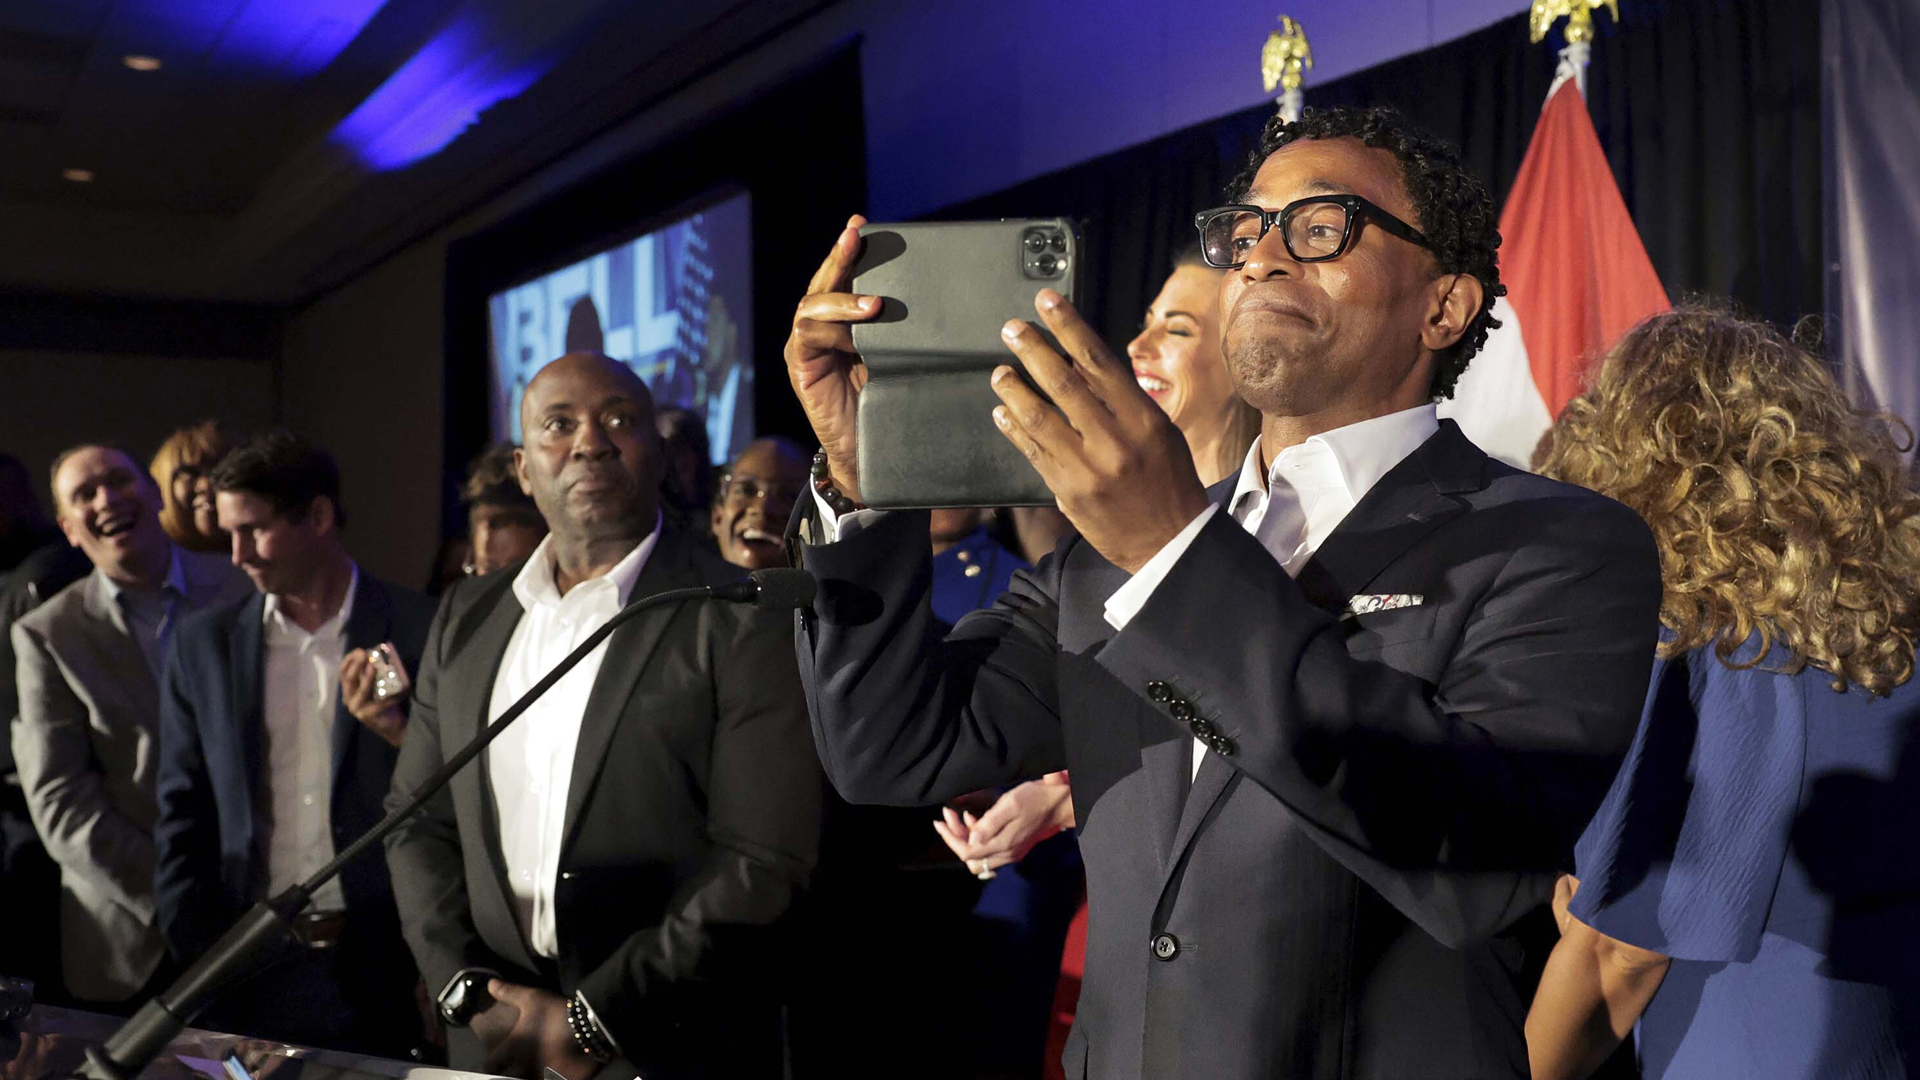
(88, 671)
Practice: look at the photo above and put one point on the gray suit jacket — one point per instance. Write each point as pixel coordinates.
(86, 743)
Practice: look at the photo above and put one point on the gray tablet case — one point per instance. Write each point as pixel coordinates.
(925, 430)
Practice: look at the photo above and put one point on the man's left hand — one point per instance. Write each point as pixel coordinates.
(540, 1038)
(384, 716)
(1117, 466)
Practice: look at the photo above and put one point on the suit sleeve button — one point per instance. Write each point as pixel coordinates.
(1222, 745)
(1203, 729)
(1165, 946)
(1181, 710)
(1159, 691)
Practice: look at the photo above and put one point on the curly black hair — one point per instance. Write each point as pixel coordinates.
(1451, 206)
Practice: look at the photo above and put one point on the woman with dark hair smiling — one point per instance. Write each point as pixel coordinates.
(1749, 893)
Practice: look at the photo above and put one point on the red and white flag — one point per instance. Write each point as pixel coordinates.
(1577, 278)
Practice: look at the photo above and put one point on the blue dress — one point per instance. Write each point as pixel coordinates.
(970, 575)
(1764, 832)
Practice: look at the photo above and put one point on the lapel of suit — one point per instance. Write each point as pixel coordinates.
(1210, 786)
(1168, 761)
(120, 656)
(669, 566)
(246, 657)
(1181, 799)
(1413, 499)
(466, 702)
(367, 625)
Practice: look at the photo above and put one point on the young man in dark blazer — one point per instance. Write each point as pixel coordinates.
(276, 750)
(1332, 726)
(620, 860)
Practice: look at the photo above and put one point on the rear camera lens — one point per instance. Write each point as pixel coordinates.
(1057, 242)
(1036, 242)
(1047, 264)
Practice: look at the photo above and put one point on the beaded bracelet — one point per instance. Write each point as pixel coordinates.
(586, 1033)
(823, 483)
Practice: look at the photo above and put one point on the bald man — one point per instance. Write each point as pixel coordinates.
(601, 895)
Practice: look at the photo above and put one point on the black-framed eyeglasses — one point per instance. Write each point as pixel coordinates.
(1315, 229)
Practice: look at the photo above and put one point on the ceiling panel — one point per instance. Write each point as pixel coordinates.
(285, 143)
(58, 18)
(37, 70)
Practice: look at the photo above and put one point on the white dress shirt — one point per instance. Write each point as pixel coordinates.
(1307, 492)
(299, 694)
(530, 766)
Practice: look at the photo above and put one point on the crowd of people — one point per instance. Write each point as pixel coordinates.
(1309, 739)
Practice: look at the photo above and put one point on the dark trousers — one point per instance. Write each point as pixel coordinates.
(357, 997)
(30, 884)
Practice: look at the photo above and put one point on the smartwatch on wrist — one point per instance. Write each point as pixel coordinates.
(465, 996)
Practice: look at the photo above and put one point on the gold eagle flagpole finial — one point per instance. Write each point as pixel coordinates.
(1578, 13)
(1579, 48)
(1283, 60)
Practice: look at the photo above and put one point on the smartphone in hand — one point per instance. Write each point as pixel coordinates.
(925, 427)
(390, 682)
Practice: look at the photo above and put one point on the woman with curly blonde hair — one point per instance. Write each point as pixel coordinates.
(181, 467)
(1749, 892)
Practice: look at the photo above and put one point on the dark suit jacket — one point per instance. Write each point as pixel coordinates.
(1350, 893)
(211, 862)
(693, 818)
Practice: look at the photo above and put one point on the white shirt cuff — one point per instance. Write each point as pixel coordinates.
(1128, 599)
(838, 528)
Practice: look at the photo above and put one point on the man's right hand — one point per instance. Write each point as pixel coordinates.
(825, 371)
(494, 1026)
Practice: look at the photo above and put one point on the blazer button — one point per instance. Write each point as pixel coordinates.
(1222, 745)
(1165, 946)
(1203, 729)
(1160, 691)
(1181, 710)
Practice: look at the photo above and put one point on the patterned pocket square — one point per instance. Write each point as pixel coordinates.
(1369, 603)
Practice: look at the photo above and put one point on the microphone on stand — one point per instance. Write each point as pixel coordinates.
(248, 946)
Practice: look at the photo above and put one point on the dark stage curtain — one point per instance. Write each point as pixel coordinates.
(1709, 111)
